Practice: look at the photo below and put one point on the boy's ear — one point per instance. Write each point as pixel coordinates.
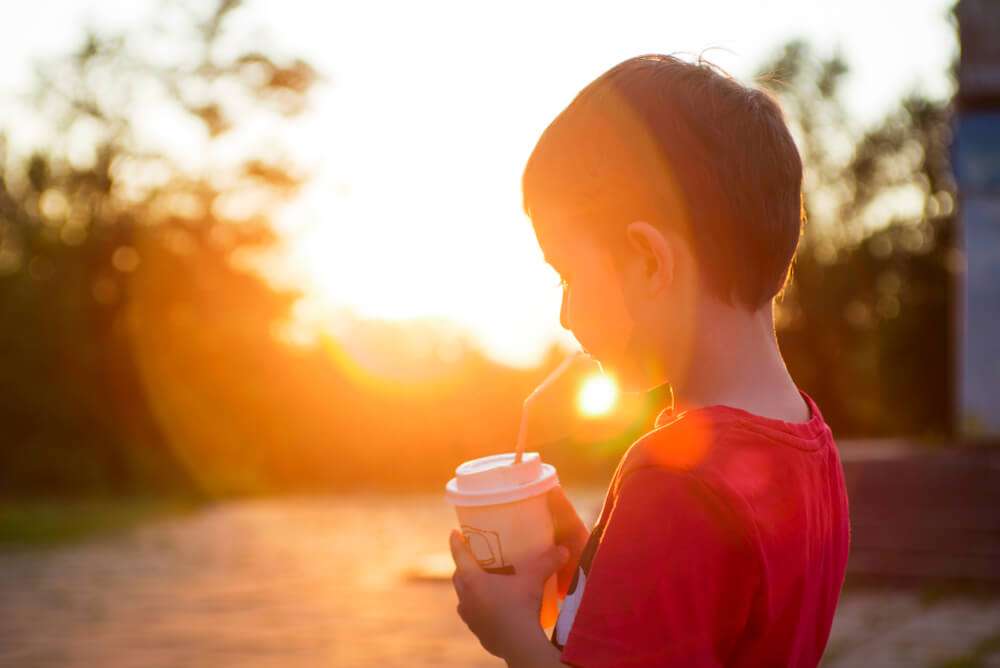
(654, 249)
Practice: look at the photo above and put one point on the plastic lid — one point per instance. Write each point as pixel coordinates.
(497, 479)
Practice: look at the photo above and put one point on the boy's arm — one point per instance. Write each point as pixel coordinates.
(570, 532)
(535, 651)
(673, 580)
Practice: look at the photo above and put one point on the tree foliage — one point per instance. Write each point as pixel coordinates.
(866, 325)
(82, 216)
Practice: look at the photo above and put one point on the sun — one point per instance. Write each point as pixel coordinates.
(597, 395)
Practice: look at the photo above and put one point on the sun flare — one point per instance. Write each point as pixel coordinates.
(597, 395)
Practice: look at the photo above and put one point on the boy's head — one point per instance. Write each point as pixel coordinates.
(674, 166)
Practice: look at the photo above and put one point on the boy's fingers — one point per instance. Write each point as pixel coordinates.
(460, 552)
(560, 505)
(569, 529)
(549, 562)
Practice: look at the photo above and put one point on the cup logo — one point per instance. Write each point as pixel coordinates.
(485, 545)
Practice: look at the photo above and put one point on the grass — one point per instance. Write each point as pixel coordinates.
(975, 657)
(52, 523)
(932, 593)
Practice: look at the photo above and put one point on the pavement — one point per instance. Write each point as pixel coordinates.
(360, 580)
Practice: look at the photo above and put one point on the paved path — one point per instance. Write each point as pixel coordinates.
(340, 582)
(895, 629)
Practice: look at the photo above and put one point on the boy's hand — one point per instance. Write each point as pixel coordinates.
(570, 532)
(502, 610)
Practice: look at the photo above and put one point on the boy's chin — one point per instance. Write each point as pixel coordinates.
(627, 377)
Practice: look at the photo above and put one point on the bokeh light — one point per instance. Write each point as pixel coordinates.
(597, 395)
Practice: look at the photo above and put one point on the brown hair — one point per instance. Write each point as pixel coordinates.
(686, 146)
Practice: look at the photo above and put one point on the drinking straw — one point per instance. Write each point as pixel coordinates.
(522, 433)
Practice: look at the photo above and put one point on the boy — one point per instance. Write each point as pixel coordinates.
(668, 198)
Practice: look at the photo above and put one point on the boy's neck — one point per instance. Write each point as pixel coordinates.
(734, 361)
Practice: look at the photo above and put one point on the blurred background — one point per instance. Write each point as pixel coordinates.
(265, 281)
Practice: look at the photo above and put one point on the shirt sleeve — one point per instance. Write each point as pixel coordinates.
(672, 581)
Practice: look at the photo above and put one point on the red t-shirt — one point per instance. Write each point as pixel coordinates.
(722, 542)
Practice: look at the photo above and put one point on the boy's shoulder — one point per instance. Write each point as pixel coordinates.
(726, 447)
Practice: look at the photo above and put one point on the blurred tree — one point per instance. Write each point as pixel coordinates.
(866, 323)
(78, 217)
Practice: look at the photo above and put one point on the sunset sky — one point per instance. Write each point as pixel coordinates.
(415, 144)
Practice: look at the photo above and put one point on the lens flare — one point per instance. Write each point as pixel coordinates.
(597, 395)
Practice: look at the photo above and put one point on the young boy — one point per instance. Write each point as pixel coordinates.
(668, 198)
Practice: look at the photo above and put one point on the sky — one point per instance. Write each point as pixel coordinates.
(416, 141)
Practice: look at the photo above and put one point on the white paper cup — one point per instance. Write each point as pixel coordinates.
(504, 514)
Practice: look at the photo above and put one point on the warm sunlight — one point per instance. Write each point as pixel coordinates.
(415, 211)
(597, 395)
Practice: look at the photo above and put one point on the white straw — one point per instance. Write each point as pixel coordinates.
(522, 434)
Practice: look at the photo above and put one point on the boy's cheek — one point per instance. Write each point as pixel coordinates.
(608, 324)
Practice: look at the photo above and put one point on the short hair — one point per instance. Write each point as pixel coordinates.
(683, 145)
